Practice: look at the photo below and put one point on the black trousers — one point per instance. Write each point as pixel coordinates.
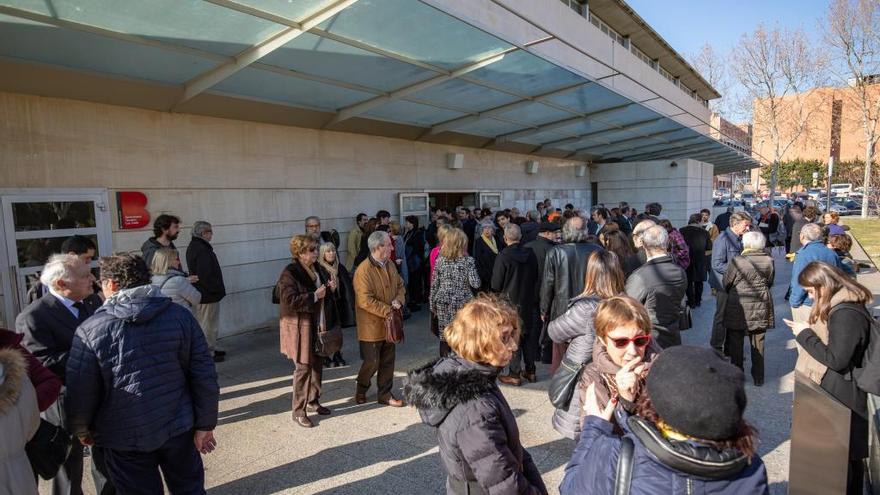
(733, 347)
(415, 287)
(378, 358)
(694, 287)
(529, 351)
(716, 340)
(137, 473)
(69, 479)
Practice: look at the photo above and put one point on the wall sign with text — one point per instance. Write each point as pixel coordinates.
(132, 208)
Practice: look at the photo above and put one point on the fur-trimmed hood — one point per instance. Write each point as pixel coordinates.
(13, 369)
(439, 386)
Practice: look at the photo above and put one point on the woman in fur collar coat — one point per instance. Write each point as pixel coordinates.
(19, 420)
(480, 448)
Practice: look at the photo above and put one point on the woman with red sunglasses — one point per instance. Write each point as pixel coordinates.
(622, 353)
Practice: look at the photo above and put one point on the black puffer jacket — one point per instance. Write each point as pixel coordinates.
(747, 281)
(140, 373)
(476, 430)
(564, 271)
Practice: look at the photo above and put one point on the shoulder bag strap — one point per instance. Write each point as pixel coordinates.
(623, 477)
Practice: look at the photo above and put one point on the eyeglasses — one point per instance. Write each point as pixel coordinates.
(640, 341)
(312, 249)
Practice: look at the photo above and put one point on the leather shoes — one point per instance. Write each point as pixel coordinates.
(303, 421)
(529, 377)
(510, 380)
(218, 352)
(360, 399)
(392, 402)
(321, 410)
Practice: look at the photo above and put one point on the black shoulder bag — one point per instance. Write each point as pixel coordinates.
(563, 383)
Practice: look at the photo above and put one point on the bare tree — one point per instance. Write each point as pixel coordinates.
(853, 37)
(778, 69)
(712, 66)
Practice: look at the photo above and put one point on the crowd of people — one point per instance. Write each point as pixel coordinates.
(125, 364)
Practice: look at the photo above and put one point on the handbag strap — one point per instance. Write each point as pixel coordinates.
(623, 476)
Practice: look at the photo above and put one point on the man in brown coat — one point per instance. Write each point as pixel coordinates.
(378, 288)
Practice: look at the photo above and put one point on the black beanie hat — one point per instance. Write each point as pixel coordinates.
(697, 393)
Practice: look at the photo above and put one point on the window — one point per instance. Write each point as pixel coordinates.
(579, 6)
(605, 28)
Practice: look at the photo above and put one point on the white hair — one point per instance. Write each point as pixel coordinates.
(811, 232)
(754, 241)
(59, 267)
(487, 224)
(377, 239)
(642, 226)
(655, 238)
(512, 232)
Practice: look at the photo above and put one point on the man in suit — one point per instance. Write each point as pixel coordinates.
(48, 325)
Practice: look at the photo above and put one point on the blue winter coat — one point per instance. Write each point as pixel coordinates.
(813, 251)
(593, 465)
(139, 373)
(727, 246)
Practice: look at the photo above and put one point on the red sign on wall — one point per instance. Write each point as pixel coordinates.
(132, 209)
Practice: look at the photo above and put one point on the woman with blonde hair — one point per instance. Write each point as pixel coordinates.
(453, 283)
(171, 280)
(831, 350)
(480, 447)
(328, 258)
(307, 300)
(604, 279)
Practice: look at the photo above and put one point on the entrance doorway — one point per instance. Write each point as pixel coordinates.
(420, 204)
(34, 224)
(450, 200)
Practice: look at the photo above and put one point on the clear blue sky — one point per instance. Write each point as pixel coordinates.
(688, 24)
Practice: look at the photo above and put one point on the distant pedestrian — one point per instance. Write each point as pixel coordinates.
(699, 243)
(203, 264)
(480, 447)
(486, 249)
(353, 243)
(727, 246)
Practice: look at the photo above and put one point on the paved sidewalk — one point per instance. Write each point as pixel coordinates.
(370, 449)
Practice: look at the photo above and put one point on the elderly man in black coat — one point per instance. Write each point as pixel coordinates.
(203, 264)
(515, 275)
(660, 285)
(698, 242)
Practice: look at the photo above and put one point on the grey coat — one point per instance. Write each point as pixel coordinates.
(660, 286)
(175, 285)
(575, 326)
(747, 281)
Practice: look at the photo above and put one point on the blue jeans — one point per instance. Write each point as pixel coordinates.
(138, 472)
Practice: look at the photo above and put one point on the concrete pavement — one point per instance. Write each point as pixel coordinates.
(369, 449)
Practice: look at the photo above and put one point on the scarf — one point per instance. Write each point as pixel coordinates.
(806, 364)
(333, 269)
(490, 241)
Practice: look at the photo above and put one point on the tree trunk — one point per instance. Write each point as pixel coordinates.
(866, 184)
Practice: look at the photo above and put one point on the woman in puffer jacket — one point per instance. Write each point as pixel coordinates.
(687, 435)
(172, 281)
(19, 420)
(480, 448)
(604, 279)
(749, 308)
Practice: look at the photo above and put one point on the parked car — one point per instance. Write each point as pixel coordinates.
(814, 192)
(748, 199)
(845, 206)
(841, 189)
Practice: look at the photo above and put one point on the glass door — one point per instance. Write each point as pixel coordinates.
(490, 200)
(415, 204)
(34, 226)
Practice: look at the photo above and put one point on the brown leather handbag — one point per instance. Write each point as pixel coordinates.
(394, 327)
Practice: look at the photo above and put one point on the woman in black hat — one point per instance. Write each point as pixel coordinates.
(688, 434)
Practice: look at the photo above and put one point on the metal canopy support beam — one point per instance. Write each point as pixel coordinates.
(681, 151)
(203, 82)
(470, 119)
(651, 145)
(359, 108)
(575, 139)
(560, 123)
(636, 138)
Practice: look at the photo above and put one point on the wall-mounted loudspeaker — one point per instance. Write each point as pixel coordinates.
(454, 161)
(580, 171)
(531, 167)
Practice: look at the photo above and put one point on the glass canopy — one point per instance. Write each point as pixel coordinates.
(400, 61)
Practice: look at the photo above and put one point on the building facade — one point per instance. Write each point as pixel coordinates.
(265, 116)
